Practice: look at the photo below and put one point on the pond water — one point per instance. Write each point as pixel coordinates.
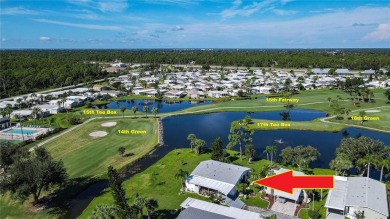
(211, 126)
(163, 106)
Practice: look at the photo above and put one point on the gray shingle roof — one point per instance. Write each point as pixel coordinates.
(228, 173)
(194, 213)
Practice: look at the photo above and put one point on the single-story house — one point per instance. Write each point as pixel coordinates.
(113, 93)
(357, 194)
(297, 196)
(5, 123)
(175, 94)
(98, 87)
(220, 178)
(24, 114)
(368, 72)
(13, 104)
(320, 71)
(195, 94)
(198, 209)
(217, 94)
(342, 71)
(52, 109)
(266, 90)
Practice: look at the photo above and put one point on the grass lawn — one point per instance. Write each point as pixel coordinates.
(12, 208)
(311, 99)
(158, 181)
(316, 125)
(318, 205)
(383, 122)
(86, 156)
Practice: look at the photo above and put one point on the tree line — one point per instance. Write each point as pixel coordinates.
(25, 71)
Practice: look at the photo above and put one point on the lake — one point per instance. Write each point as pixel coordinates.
(163, 106)
(210, 126)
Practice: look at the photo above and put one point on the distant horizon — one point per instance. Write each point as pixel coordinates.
(202, 49)
(207, 24)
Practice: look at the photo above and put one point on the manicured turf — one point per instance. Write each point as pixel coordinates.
(311, 99)
(11, 208)
(383, 122)
(316, 125)
(90, 156)
(158, 181)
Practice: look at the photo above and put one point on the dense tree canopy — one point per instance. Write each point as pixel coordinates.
(32, 174)
(24, 71)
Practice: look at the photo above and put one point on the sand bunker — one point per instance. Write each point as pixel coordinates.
(98, 134)
(109, 124)
(372, 111)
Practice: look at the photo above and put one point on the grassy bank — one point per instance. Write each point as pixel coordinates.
(158, 181)
(86, 156)
(383, 115)
(316, 125)
(312, 99)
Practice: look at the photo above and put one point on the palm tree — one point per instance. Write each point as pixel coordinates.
(63, 100)
(35, 113)
(368, 160)
(385, 164)
(273, 150)
(134, 109)
(155, 111)
(191, 137)
(151, 205)
(362, 114)
(8, 110)
(182, 175)
(145, 109)
(123, 109)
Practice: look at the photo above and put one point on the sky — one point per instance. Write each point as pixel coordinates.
(132, 24)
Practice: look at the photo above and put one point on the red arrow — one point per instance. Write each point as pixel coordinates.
(287, 182)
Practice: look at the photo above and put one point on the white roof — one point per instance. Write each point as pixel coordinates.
(222, 187)
(219, 209)
(336, 196)
(358, 191)
(296, 192)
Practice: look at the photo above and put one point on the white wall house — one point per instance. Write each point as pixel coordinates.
(216, 176)
(357, 194)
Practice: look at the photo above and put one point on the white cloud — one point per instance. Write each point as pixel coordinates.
(44, 38)
(178, 28)
(85, 26)
(283, 12)
(102, 5)
(17, 11)
(382, 33)
(244, 10)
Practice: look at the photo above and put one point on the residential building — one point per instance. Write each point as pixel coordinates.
(198, 209)
(357, 194)
(5, 123)
(217, 177)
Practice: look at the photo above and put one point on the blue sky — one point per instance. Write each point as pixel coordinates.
(194, 24)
